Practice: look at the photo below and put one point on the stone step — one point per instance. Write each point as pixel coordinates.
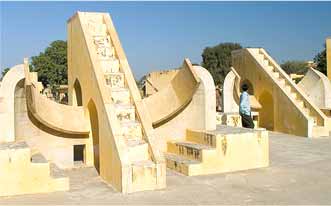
(115, 79)
(294, 95)
(144, 175)
(201, 138)
(120, 95)
(320, 131)
(300, 103)
(97, 29)
(125, 112)
(276, 74)
(105, 52)
(288, 88)
(131, 129)
(138, 150)
(181, 164)
(111, 65)
(191, 150)
(281, 81)
(306, 111)
(266, 62)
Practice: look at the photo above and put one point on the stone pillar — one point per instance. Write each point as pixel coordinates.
(328, 57)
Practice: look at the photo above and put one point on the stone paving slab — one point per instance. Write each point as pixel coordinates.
(299, 173)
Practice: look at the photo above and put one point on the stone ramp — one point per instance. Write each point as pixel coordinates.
(285, 107)
(225, 149)
(21, 173)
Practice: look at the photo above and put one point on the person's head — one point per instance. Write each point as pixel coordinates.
(244, 87)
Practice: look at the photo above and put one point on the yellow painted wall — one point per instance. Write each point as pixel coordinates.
(287, 117)
(83, 67)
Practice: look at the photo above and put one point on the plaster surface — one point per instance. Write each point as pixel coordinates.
(299, 170)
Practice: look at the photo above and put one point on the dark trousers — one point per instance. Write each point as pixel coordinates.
(247, 121)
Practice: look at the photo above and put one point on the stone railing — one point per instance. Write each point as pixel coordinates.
(315, 111)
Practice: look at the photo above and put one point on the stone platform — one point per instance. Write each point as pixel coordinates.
(299, 173)
(226, 149)
(23, 173)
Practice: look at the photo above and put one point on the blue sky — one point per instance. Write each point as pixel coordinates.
(159, 35)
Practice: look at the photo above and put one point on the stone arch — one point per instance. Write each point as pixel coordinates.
(7, 98)
(250, 86)
(94, 121)
(20, 107)
(266, 114)
(77, 94)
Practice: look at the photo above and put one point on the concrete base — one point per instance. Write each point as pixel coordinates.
(223, 150)
(291, 179)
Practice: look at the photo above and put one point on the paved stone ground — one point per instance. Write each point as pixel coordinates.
(299, 173)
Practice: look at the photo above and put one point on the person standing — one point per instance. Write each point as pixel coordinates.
(245, 108)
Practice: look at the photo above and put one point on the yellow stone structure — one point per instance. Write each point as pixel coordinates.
(224, 150)
(101, 82)
(285, 107)
(22, 173)
(130, 140)
(317, 86)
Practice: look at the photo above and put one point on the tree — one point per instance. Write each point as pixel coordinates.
(320, 60)
(297, 67)
(4, 72)
(51, 65)
(217, 60)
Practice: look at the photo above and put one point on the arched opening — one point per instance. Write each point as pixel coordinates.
(266, 114)
(77, 94)
(94, 121)
(250, 86)
(20, 109)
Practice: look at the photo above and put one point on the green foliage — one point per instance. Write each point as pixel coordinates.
(297, 67)
(320, 60)
(3, 73)
(51, 65)
(217, 60)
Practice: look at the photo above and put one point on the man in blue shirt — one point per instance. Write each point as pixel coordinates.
(245, 108)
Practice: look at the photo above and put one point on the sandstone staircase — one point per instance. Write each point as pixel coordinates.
(222, 150)
(120, 94)
(317, 120)
(22, 173)
(145, 173)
